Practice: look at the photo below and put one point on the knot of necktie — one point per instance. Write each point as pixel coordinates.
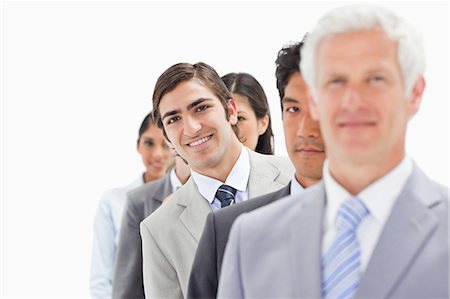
(225, 194)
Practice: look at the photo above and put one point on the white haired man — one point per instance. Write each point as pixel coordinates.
(376, 226)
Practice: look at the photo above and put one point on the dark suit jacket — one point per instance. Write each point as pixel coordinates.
(141, 202)
(204, 278)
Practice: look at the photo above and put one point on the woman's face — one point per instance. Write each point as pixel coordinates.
(250, 127)
(154, 151)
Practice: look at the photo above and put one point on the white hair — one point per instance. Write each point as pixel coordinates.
(410, 53)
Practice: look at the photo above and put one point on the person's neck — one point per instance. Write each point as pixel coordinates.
(182, 170)
(222, 169)
(357, 176)
(305, 182)
(148, 177)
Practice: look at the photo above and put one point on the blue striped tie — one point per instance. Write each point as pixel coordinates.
(341, 273)
(225, 194)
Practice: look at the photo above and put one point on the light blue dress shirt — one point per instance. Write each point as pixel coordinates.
(106, 239)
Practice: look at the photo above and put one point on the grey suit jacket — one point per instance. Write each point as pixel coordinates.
(205, 271)
(276, 252)
(141, 202)
(171, 234)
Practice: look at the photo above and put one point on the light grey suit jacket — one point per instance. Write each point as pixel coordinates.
(141, 202)
(171, 234)
(275, 251)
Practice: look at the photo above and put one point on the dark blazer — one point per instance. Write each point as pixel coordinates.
(141, 202)
(204, 278)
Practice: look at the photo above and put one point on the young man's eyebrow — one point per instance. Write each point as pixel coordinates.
(195, 103)
(289, 100)
(170, 113)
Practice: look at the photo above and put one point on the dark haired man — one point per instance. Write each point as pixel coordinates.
(198, 116)
(306, 151)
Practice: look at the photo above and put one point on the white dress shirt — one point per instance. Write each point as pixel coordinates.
(379, 198)
(237, 178)
(106, 238)
(174, 180)
(296, 188)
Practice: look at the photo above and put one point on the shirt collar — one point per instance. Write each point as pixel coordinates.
(237, 178)
(296, 188)
(379, 197)
(174, 180)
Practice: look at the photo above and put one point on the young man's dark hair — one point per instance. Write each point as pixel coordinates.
(287, 63)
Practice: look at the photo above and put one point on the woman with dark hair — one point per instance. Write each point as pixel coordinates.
(156, 157)
(253, 112)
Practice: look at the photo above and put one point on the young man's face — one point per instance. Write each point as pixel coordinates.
(361, 106)
(196, 125)
(302, 134)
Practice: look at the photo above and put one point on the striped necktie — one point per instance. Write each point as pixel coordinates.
(341, 265)
(225, 194)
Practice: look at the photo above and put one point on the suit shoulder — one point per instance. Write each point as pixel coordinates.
(283, 163)
(165, 215)
(284, 209)
(141, 194)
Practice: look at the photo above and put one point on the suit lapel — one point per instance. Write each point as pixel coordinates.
(306, 246)
(262, 179)
(404, 235)
(196, 208)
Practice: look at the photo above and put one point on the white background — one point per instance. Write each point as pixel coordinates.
(77, 79)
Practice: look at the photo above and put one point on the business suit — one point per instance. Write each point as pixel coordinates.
(171, 234)
(410, 259)
(205, 271)
(141, 202)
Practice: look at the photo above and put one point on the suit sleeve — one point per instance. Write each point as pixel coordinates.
(128, 282)
(160, 277)
(230, 284)
(203, 278)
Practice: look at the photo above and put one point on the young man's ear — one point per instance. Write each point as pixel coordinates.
(415, 99)
(232, 111)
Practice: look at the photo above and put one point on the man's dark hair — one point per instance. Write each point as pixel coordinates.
(287, 63)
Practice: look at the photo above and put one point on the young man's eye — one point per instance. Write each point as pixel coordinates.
(173, 120)
(240, 118)
(292, 109)
(149, 143)
(201, 108)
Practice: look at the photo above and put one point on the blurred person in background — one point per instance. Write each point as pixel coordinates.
(156, 156)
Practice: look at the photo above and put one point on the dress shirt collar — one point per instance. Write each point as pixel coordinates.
(237, 178)
(379, 197)
(296, 188)
(174, 180)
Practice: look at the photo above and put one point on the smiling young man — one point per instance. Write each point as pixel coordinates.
(376, 226)
(306, 151)
(198, 116)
